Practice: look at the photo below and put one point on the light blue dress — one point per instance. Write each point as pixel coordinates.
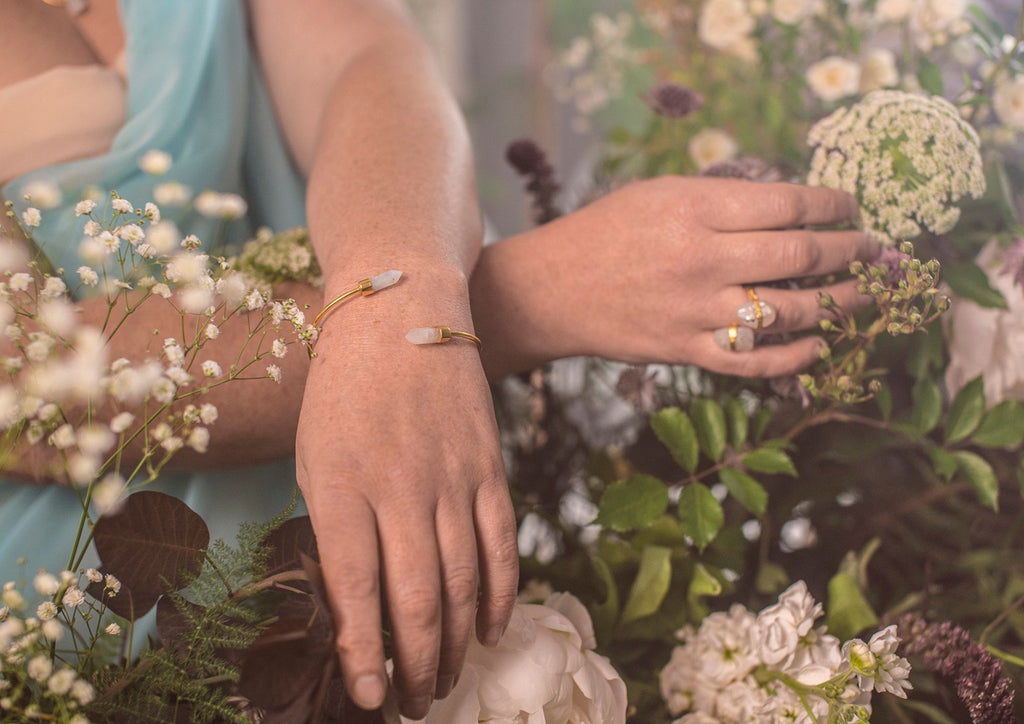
(194, 91)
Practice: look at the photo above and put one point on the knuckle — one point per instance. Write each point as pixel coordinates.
(417, 607)
(799, 254)
(360, 587)
(461, 586)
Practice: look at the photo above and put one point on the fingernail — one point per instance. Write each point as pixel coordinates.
(494, 635)
(368, 691)
(445, 684)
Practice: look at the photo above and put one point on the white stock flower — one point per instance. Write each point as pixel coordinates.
(833, 78)
(781, 626)
(43, 194)
(31, 217)
(543, 671)
(724, 24)
(155, 162)
(710, 146)
(878, 70)
(1008, 102)
(987, 341)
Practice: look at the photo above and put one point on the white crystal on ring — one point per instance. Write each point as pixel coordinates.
(385, 279)
(744, 339)
(424, 335)
(748, 314)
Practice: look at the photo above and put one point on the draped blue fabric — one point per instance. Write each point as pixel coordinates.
(194, 91)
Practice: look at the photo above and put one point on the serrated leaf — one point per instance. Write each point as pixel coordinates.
(969, 281)
(980, 475)
(943, 461)
(1002, 426)
(633, 503)
(676, 432)
(651, 583)
(966, 411)
(709, 419)
(769, 460)
(929, 75)
(737, 421)
(927, 407)
(747, 491)
(848, 611)
(700, 513)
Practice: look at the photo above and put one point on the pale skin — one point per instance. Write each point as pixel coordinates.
(396, 445)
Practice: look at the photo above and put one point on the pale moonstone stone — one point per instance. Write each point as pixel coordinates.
(744, 339)
(748, 314)
(424, 335)
(385, 279)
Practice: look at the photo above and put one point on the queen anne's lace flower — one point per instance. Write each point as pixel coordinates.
(908, 159)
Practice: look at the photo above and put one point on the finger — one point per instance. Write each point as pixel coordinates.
(767, 361)
(349, 557)
(460, 583)
(751, 206)
(774, 255)
(795, 309)
(499, 559)
(412, 578)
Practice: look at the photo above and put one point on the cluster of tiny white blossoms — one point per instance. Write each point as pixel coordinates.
(778, 665)
(908, 159)
(35, 682)
(591, 71)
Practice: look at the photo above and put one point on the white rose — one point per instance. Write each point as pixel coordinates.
(878, 70)
(1008, 101)
(936, 16)
(710, 146)
(792, 12)
(724, 23)
(543, 667)
(988, 342)
(833, 78)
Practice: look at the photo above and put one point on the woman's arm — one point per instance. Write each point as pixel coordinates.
(397, 450)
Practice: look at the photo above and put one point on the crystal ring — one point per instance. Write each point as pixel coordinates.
(755, 313)
(735, 338)
(439, 335)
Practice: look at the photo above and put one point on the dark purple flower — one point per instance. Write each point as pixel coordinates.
(637, 386)
(890, 260)
(672, 100)
(529, 160)
(748, 168)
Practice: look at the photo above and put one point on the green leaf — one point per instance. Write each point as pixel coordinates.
(702, 584)
(943, 461)
(1020, 477)
(633, 503)
(966, 411)
(848, 611)
(700, 513)
(745, 489)
(604, 614)
(768, 460)
(927, 406)
(738, 422)
(969, 281)
(883, 398)
(709, 418)
(929, 76)
(771, 578)
(759, 422)
(981, 476)
(651, 583)
(1003, 426)
(674, 429)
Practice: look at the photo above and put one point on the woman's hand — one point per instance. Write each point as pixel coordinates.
(399, 463)
(649, 272)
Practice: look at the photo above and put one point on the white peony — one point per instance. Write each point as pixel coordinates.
(710, 146)
(988, 342)
(834, 78)
(1008, 101)
(543, 671)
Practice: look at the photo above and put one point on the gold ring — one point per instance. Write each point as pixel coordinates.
(755, 313)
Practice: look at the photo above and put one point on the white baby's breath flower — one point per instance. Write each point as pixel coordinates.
(42, 194)
(12, 597)
(161, 290)
(93, 575)
(279, 349)
(254, 300)
(108, 242)
(121, 422)
(152, 212)
(132, 233)
(710, 146)
(84, 208)
(833, 78)
(61, 681)
(274, 373)
(220, 206)
(187, 267)
(208, 413)
(91, 228)
(46, 584)
(82, 469)
(179, 376)
(106, 495)
(46, 610)
(95, 439)
(155, 162)
(63, 437)
(122, 206)
(73, 597)
(163, 390)
(172, 444)
(52, 629)
(53, 287)
(88, 276)
(212, 369)
(113, 629)
(199, 439)
(196, 299)
(163, 237)
(212, 331)
(172, 193)
(111, 584)
(31, 217)
(56, 315)
(83, 692)
(39, 667)
(1008, 102)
